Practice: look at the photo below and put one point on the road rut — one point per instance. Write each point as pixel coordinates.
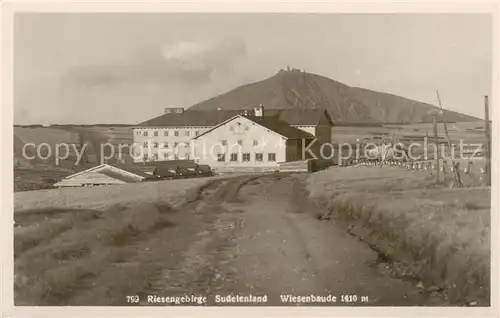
(259, 237)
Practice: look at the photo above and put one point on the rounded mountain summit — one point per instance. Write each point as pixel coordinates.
(345, 104)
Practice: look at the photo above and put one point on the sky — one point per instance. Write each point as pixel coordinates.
(91, 68)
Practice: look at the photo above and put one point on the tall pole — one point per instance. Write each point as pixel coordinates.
(457, 182)
(426, 145)
(436, 154)
(488, 140)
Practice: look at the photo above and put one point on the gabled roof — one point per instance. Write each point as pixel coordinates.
(107, 170)
(119, 176)
(210, 118)
(272, 123)
(130, 169)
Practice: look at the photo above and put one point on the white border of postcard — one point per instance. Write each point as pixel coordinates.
(6, 162)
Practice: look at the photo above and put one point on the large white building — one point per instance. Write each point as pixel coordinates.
(232, 138)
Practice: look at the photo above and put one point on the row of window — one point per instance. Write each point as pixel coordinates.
(234, 157)
(169, 156)
(240, 142)
(166, 144)
(271, 157)
(175, 144)
(166, 133)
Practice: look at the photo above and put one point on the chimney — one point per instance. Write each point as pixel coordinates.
(259, 111)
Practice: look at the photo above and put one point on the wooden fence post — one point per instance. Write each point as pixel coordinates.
(488, 140)
(436, 154)
(457, 181)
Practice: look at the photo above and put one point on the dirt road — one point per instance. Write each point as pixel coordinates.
(244, 236)
(260, 238)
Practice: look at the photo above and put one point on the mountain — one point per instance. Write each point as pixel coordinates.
(297, 89)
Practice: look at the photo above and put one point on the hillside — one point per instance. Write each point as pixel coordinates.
(37, 173)
(291, 89)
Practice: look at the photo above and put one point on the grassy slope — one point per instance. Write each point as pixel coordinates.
(105, 196)
(446, 232)
(93, 136)
(64, 238)
(459, 131)
(77, 250)
(40, 174)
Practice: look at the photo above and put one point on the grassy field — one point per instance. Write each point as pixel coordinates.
(39, 174)
(470, 132)
(114, 135)
(63, 238)
(37, 178)
(35, 174)
(443, 232)
(76, 246)
(171, 191)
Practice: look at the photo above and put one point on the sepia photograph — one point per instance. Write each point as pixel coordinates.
(262, 159)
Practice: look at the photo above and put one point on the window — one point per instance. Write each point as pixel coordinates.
(138, 132)
(255, 143)
(155, 156)
(145, 133)
(165, 144)
(165, 133)
(197, 132)
(271, 157)
(246, 157)
(176, 144)
(221, 157)
(165, 155)
(234, 157)
(155, 134)
(223, 142)
(145, 145)
(258, 157)
(176, 133)
(155, 144)
(240, 142)
(187, 132)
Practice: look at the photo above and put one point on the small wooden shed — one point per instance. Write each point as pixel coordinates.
(105, 174)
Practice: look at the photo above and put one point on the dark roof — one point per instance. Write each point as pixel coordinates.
(166, 167)
(281, 127)
(165, 170)
(178, 162)
(204, 168)
(191, 118)
(167, 164)
(298, 116)
(209, 118)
